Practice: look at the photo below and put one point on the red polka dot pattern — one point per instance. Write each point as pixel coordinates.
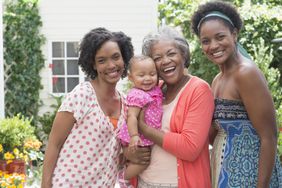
(89, 156)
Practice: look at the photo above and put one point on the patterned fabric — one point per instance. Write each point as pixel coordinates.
(89, 156)
(121, 180)
(152, 101)
(235, 153)
(143, 184)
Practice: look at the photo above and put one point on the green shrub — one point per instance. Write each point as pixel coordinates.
(14, 131)
(279, 148)
(18, 140)
(263, 58)
(23, 58)
(262, 22)
(45, 121)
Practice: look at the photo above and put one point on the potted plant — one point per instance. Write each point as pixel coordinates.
(18, 144)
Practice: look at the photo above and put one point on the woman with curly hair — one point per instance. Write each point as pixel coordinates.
(83, 148)
(244, 132)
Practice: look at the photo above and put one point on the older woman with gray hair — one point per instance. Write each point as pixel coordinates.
(180, 156)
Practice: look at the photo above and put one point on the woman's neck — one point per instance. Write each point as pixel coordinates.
(231, 63)
(107, 90)
(108, 98)
(171, 90)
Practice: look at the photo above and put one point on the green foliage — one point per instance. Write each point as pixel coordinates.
(279, 117)
(45, 121)
(236, 2)
(201, 66)
(279, 149)
(177, 13)
(23, 57)
(17, 133)
(14, 131)
(264, 22)
(270, 3)
(263, 58)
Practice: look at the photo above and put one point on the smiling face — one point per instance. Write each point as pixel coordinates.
(168, 60)
(109, 62)
(143, 74)
(217, 41)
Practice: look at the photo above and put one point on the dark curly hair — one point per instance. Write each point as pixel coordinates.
(225, 8)
(93, 41)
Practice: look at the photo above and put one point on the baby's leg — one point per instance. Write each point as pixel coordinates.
(132, 170)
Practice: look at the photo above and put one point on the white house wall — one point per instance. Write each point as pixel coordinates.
(69, 20)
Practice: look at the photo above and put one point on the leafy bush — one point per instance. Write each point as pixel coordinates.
(18, 140)
(46, 120)
(279, 149)
(23, 58)
(14, 131)
(263, 58)
(201, 66)
(262, 22)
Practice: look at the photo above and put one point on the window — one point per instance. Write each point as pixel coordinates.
(65, 71)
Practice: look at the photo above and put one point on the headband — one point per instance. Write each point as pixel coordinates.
(224, 17)
(215, 14)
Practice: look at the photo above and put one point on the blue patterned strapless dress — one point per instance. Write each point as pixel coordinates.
(235, 153)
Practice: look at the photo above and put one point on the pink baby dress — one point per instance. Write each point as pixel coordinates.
(152, 102)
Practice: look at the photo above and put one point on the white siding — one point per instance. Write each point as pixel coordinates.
(69, 20)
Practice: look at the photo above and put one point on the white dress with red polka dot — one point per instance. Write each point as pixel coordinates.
(89, 156)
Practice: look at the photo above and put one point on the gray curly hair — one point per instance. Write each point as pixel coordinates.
(167, 33)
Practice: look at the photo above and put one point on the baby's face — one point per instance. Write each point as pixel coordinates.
(143, 74)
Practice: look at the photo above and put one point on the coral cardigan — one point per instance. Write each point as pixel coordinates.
(188, 139)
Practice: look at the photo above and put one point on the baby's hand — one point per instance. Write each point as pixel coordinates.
(134, 142)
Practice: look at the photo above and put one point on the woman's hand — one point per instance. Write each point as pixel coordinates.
(141, 155)
(150, 133)
(134, 142)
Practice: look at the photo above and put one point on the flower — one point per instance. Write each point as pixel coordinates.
(13, 180)
(32, 144)
(18, 140)
(9, 156)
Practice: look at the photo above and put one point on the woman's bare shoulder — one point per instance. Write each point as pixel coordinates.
(215, 80)
(247, 70)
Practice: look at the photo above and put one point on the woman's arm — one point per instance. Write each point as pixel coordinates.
(258, 102)
(61, 128)
(212, 134)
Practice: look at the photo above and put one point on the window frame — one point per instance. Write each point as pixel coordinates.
(81, 76)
